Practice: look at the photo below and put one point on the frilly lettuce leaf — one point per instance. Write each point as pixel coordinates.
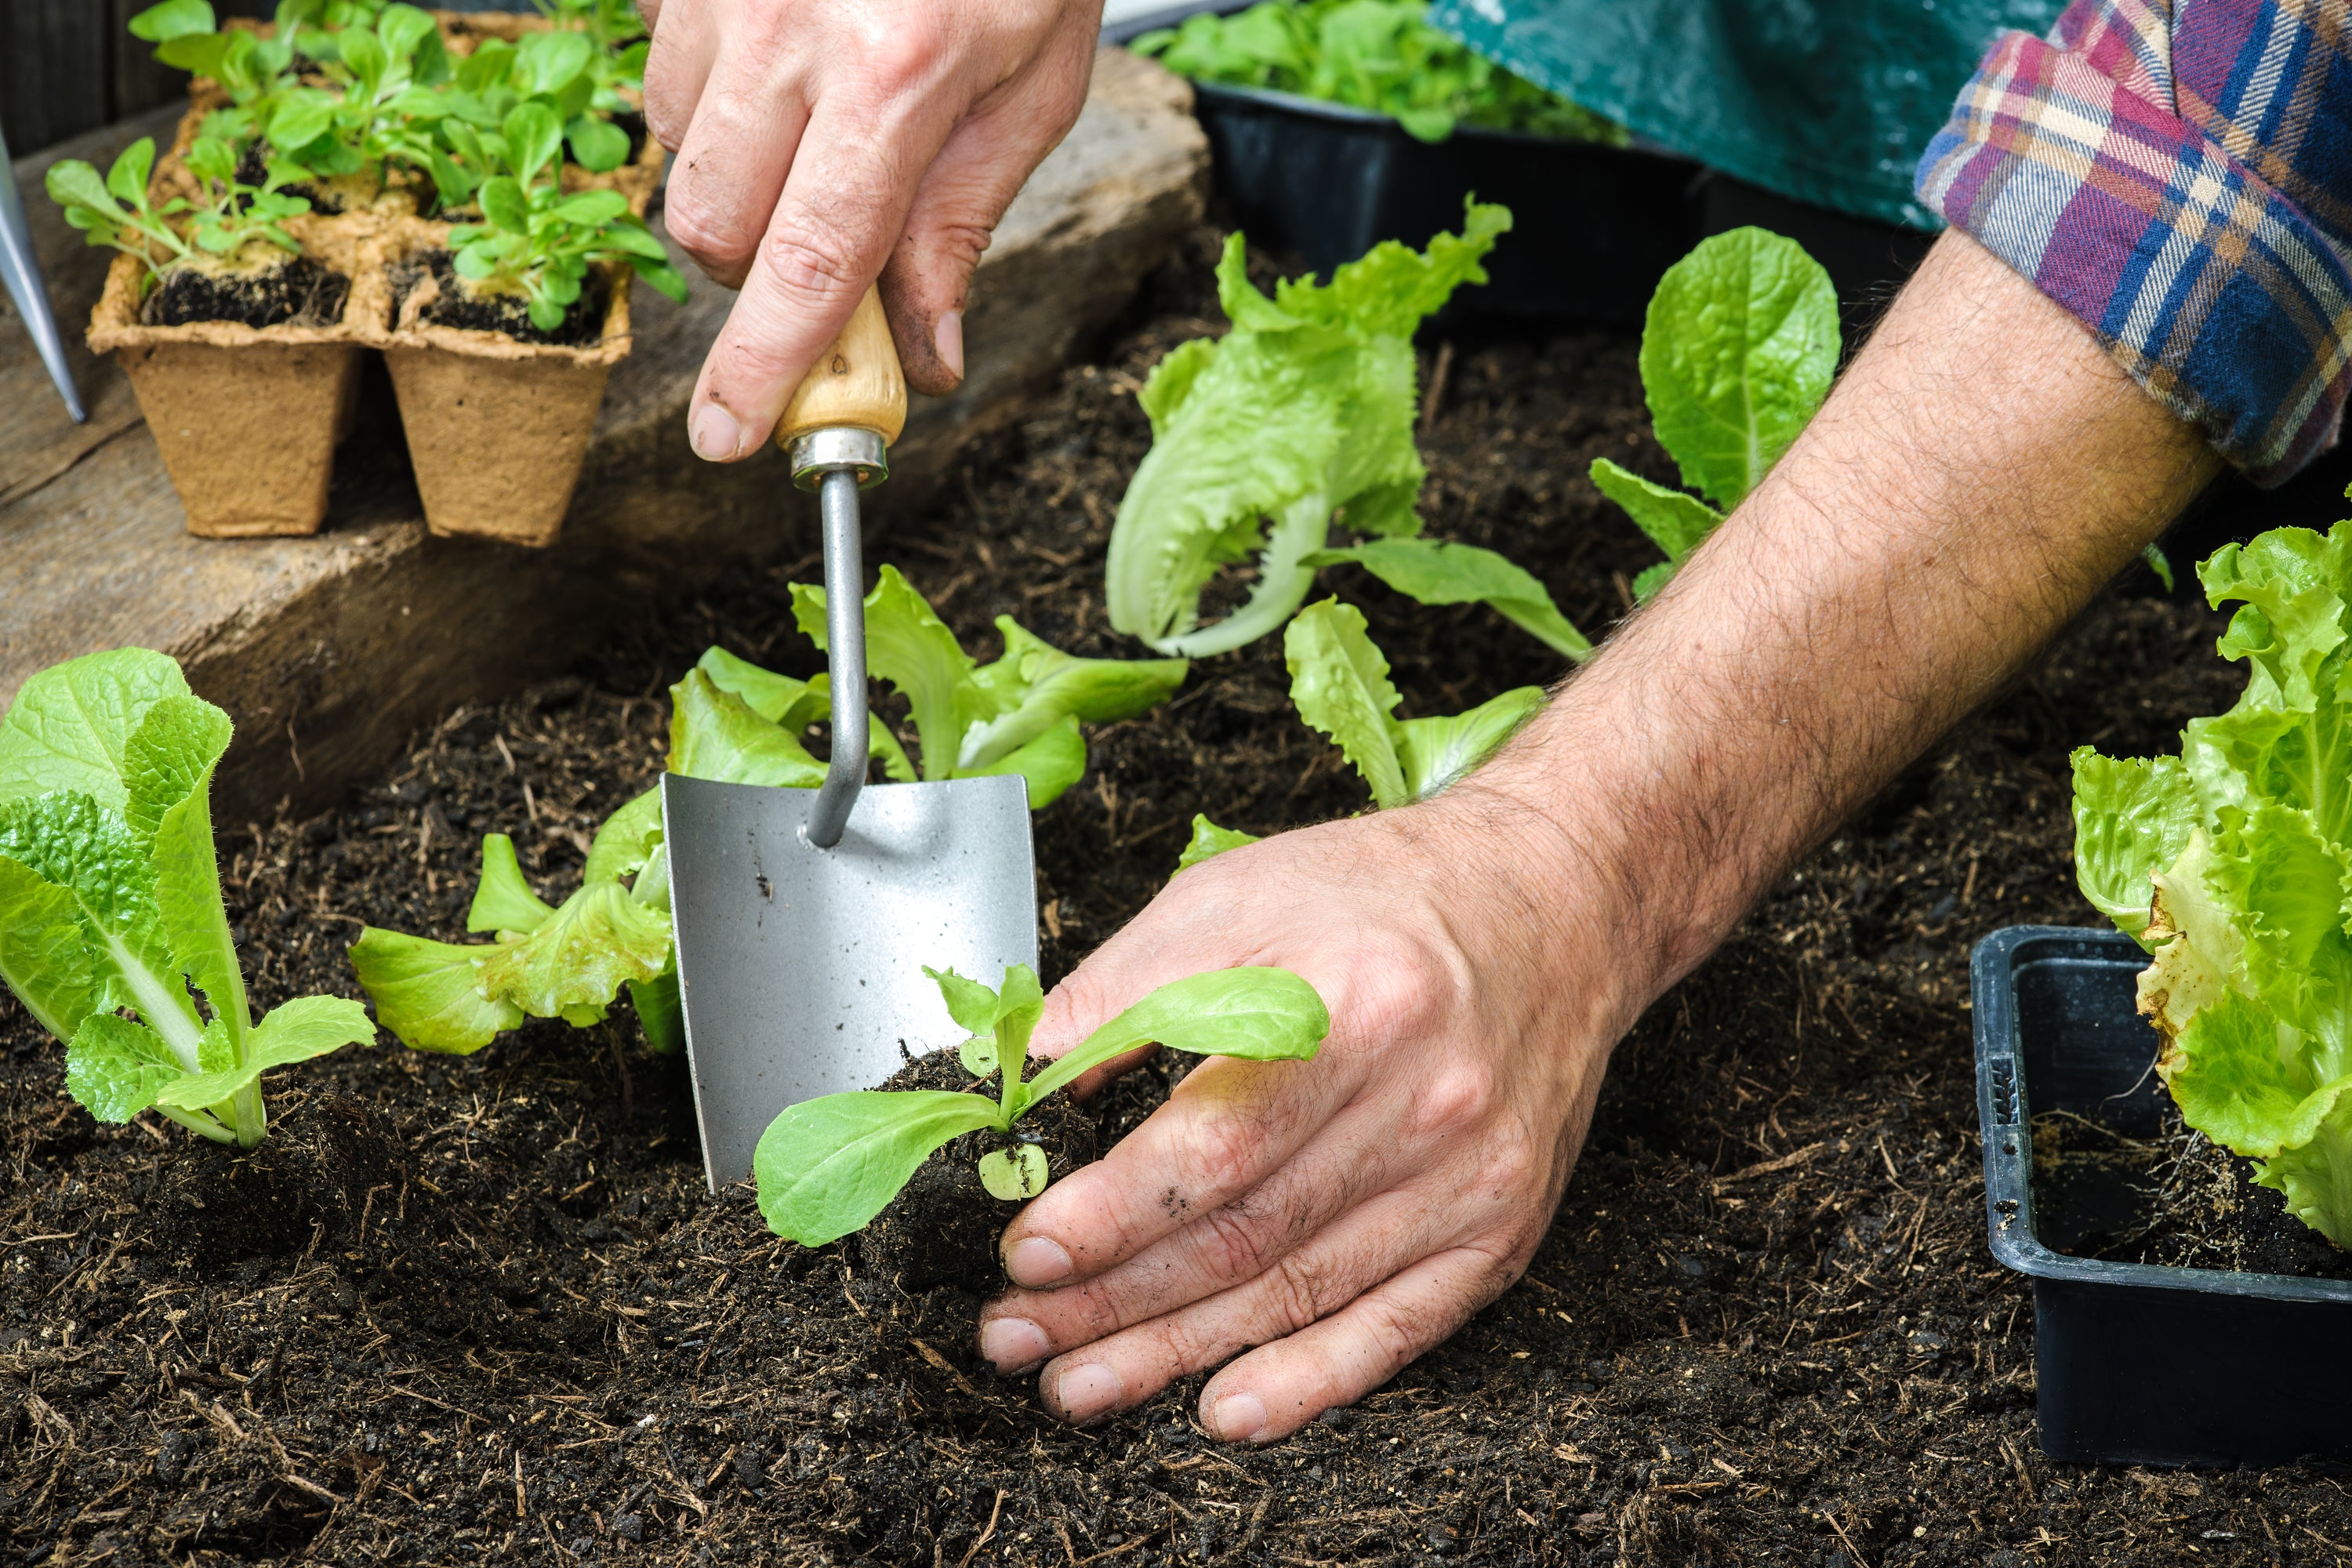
(1302, 411)
(2245, 843)
(1339, 684)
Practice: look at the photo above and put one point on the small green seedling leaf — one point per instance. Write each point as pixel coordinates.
(828, 1166)
(503, 900)
(1014, 1175)
(1434, 572)
(1339, 684)
(1257, 1013)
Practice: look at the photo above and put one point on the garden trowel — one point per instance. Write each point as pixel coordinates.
(805, 918)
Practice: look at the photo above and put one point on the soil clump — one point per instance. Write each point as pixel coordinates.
(454, 304)
(1763, 1329)
(299, 292)
(943, 1227)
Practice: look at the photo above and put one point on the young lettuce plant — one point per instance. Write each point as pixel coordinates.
(1738, 351)
(1437, 572)
(1339, 684)
(535, 242)
(2231, 864)
(828, 1166)
(1304, 412)
(252, 71)
(735, 722)
(111, 904)
(115, 211)
(562, 71)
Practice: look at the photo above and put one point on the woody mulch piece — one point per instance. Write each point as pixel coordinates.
(1765, 1327)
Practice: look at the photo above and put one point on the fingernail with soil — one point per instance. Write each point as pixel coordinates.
(1238, 1417)
(715, 434)
(947, 341)
(1013, 1343)
(1038, 1262)
(1087, 1391)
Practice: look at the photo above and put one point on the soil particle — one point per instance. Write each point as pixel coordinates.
(1844, 1377)
(454, 304)
(299, 292)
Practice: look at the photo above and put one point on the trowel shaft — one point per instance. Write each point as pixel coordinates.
(845, 630)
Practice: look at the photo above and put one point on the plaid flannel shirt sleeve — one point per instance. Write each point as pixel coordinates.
(2178, 173)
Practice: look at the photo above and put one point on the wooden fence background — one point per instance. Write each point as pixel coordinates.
(70, 66)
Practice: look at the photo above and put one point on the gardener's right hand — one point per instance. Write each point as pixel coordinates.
(822, 143)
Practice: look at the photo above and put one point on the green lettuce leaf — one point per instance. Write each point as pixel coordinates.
(828, 1166)
(715, 735)
(1433, 572)
(70, 724)
(1339, 684)
(1434, 752)
(1209, 840)
(2132, 818)
(1738, 351)
(503, 900)
(295, 1032)
(1303, 411)
(429, 993)
(909, 646)
(1036, 686)
(574, 964)
(45, 956)
(115, 1068)
(1258, 1013)
(1051, 764)
(626, 842)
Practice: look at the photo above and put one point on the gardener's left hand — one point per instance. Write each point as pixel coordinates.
(817, 141)
(1346, 1214)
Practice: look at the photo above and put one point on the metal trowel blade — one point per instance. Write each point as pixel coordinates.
(801, 969)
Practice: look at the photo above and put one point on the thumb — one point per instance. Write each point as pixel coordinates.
(956, 208)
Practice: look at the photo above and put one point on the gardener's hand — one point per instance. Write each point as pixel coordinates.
(1343, 1215)
(822, 143)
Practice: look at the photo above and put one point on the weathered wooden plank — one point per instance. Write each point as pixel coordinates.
(328, 651)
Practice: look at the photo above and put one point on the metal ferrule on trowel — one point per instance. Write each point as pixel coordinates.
(804, 920)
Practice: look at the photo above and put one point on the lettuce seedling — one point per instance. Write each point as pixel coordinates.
(828, 1166)
(111, 904)
(535, 242)
(562, 71)
(1738, 351)
(734, 723)
(115, 211)
(2231, 864)
(1339, 684)
(1302, 413)
(1380, 55)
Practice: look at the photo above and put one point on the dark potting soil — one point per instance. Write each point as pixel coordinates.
(583, 319)
(2189, 1203)
(1764, 1328)
(299, 293)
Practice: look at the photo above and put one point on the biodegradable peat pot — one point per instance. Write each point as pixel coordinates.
(247, 418)
(1594, 227)
(2135, 1363)
(496, 428)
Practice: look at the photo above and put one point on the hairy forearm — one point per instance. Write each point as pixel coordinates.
(1981, 469)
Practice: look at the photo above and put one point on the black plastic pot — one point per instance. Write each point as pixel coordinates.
(2137, 1364)
(1594, 228)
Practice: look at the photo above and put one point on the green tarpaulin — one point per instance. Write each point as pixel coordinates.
(1829, 101)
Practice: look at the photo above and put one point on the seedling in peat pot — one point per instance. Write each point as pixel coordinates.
(828, 1166)
(115, 211)
(110, 901)
(535, 242)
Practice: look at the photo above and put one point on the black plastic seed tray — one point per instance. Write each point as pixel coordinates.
(1594, 228)
(2137, 1364)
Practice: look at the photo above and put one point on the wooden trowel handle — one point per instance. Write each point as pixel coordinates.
(857, 383)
